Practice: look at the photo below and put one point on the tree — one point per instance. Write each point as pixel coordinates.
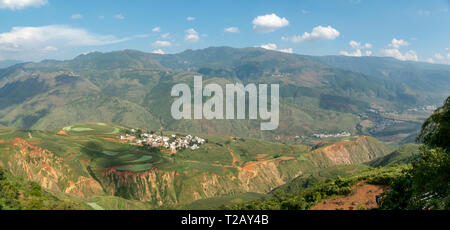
(436, 129)
(426, 185)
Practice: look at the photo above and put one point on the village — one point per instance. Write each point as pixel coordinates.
(173, 142)
(342, 134)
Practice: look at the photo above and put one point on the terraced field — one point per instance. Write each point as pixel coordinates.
(89, 163)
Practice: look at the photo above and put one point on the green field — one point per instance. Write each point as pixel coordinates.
(317, 94)
(225, 171)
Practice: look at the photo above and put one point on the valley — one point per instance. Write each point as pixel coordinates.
(92, 165)
(132, 88)
(96, 132)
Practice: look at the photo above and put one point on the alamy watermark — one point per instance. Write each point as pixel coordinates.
(235, 98)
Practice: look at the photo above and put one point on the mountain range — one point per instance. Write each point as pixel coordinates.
(380, 97)
(8, 63)
(65, 129)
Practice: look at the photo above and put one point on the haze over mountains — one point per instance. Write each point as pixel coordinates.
(381, 97)
(8, 63)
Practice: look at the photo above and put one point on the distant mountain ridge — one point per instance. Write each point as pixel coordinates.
(416, 75)
(8, 63)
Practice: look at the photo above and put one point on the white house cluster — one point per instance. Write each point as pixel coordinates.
(172, 142)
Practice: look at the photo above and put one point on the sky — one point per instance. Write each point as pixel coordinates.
(409, 30)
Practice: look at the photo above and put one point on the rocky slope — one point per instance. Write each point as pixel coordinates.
(162, 186)
(362, 149)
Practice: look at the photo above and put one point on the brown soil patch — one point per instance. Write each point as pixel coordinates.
(261, 157)
(340, 153)
(362, 196)
(251, 165)
(287, 158)
(366, 123)
(85, 162)
(33, 142)
(233, 157)
(62, 132)
(248, 167)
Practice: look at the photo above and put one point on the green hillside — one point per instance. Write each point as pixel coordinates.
(414, 78)
(19, 194)
(218, 202)
(132, 88)
(90, 164)
(403, 155)
(72, 127)
(302, 198)
(411, 177)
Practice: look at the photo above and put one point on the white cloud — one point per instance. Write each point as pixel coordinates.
(77, 16)
(356, 53)
(411, 55)
(101, 17)
(232, 30)
(438, 56)
(158, 51)
(398, 43)
(440, 59)
(393, 50)
(191, 35)
(21, 4)
(271, 46)
(156, 29)
(22, 36)
(269, 23)
(359, 50)
(50, 49)
(162, 43)
(190, 18)
(355, 44)
(22, 41)
(119, 16)
(141, 36)
(318, 33)
(288, 50)
(166, 35)
(303, 11)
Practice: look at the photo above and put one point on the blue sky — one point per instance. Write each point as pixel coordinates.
(61, 29)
